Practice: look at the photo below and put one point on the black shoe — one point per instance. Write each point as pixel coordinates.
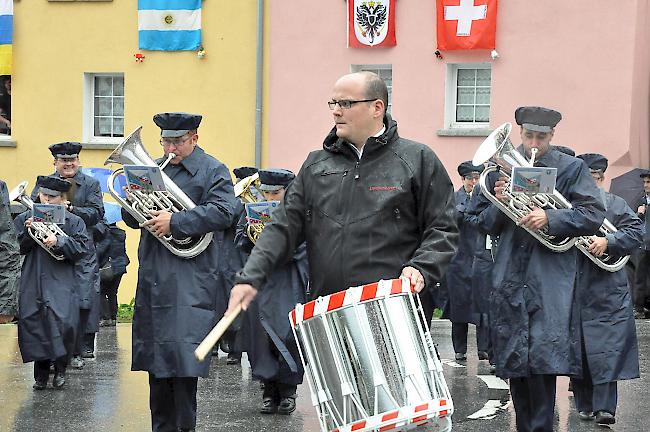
(88, 354)
(225, 346)
(59, 380)
(77, 362)
(269, 406)
(233, 359)
(461, 356)
(605, 418)
(482, 355)
(287, 405)
(586, 415)
(40, 385)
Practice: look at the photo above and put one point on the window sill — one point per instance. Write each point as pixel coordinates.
(8, 143)
(100, 146)
(464, 132)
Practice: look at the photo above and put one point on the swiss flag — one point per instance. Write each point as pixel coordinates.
(371, 23)
(466, 24)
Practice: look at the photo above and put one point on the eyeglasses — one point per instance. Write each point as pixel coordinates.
(176, 142)
(346, 104)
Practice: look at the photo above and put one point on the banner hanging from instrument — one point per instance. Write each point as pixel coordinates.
(6, 35)
(371, 23)
(169, 25)
(466, 24)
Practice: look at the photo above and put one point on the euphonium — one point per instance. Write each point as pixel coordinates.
(498, 148)
(243, 191)
(39, 231)
(140, 204)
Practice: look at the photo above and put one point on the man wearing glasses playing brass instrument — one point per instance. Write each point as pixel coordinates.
(534, 324)
(176, 297)
(370, 205)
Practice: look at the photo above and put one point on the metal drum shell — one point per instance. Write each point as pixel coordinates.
(374, 364)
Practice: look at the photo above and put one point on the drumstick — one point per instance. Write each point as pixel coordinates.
(215, 334)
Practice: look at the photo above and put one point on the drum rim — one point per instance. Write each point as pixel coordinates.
(350, 297)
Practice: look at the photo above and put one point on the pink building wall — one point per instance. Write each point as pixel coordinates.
(589, 60)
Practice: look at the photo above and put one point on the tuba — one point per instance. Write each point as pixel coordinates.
(39, 231)
(140, 204)
(244, 191)
(498, 149)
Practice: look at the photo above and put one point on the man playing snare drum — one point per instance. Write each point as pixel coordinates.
(370, 205)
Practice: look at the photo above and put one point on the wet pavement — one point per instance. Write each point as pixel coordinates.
(106, 396)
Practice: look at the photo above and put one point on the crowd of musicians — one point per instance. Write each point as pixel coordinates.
(369, 205)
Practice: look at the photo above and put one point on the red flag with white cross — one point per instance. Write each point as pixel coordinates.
(466, 24)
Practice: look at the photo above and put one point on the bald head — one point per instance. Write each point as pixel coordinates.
(363, 116)
(372, 85)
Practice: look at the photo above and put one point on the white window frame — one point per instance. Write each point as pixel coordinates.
(451, 92)
(89, 109)
(374, 68)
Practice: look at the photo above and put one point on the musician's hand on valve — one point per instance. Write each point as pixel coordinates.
(534, 220)
(160, 223)
(240, 293)
(50, 241)
(28, 222)
(416, 278)
(500, 188)
(598, 246)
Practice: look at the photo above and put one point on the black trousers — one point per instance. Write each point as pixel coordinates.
(534, 400)
(593, 398)
(590, 397)
(42, 368)
(173, 403)
(641, 285)
(459, 337)
(84, 314)
(108, 297)
(278, 390)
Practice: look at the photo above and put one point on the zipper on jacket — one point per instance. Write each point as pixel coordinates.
(356, 171)
(308, 215)
(397, 214)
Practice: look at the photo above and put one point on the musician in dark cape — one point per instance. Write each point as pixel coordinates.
(9, 260)
(177, 298)
(266, 334)
(609, 345)
(85, 201)
(49, 312)
(460, 309)
(534, 321)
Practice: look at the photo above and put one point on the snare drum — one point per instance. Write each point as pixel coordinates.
(370, 361)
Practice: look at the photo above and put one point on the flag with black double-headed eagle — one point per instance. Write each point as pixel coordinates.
(169, 25)
(371, 23)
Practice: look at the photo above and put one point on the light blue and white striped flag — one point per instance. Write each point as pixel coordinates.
(169, 25)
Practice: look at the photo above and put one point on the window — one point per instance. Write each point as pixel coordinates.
(385, 72)
(468, 96)
(104, 108)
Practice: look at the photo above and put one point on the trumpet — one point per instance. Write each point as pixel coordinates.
(140, 204)
(39, 231)
(244, 191)
(498, 149)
